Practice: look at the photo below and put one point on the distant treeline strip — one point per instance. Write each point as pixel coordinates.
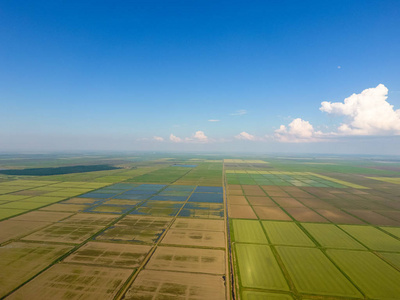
(58, 170)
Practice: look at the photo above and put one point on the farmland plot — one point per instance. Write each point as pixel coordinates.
(372, 237)
(371, 274)
(136, 229)
(257, 268)
(313, 273)
(151, 284)
(68, 281)
(286, 233)
(330, 236)
(262, 295)
(213, 239)
(110, 254)
(246, 231)
(21, 261)
(207, 261)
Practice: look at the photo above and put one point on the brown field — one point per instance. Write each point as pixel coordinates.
(68, 281)
(271, 213)
(254, 191)
(42, 216)
(235, 192)
(392, 204)
(241, 212)
(172, 285)
(206, 214)
(394, 215)
(234, 187)
(265, 201)
(136, 229)
(196, 224)
(301, 194)
(322, 193)
(64, 233)
(205, 211)
(144, 221)
(208, 261)
(338, 216)
(65, 207)
(275, 193)
(75, 229)
(315, 203)
(21, 261)
(90, 219)
(287, 202)
(195, 238)
(271, 190)
(237, 200)
(305, 215)
(10, 229)
(128, 234)
(373, 218)
(110, 254)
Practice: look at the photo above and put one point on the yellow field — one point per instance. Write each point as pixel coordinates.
(395, 180)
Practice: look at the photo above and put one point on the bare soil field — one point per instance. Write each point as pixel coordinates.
(69, 281)
(207, 261)
(152, 284)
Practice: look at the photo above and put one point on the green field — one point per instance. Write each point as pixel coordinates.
(374, 277)
(258, 268)
(373, 238)
(331, 236)
(246, 231)
(313, 273)
(286, 233)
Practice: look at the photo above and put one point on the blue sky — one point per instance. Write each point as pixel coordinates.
(102, 75)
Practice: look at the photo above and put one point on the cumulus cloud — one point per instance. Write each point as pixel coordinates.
(239, 112)
(246, 136)
(158, 138)
(367, 113)
(297, 131)
(213, 120)
(175, 139)
(198, 137)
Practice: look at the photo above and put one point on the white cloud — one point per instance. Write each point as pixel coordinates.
(213, 120)
(246, 136)
(239, 112)
(297, 131)
(199, 136)
(175, 139)
(367, 113)
(158, 138)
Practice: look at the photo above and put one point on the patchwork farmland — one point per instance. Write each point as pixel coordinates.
(199, 227)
